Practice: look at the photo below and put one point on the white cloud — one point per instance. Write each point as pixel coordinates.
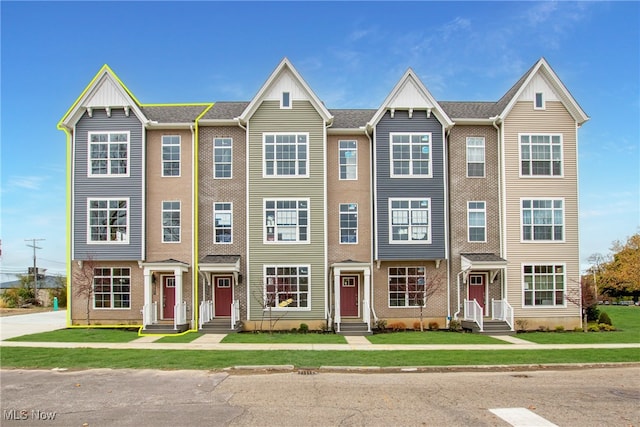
(26, 182)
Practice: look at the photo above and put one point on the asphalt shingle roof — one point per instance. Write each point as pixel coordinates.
(350, 119)
(173, 113)
(225, 110)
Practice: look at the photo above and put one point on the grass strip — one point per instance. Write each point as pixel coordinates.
(82, 335)
(432, 337)
(180, 339)
(47, 358)
(283, 338)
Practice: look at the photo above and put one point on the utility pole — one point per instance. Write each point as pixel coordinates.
(35, 268)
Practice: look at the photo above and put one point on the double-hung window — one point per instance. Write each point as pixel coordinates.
(112, 287)
(348, 159)
(475, 157)
(348, 223)
(286, 154)
(410, 155)
(171, 222)
(222, 148)
(109, 153)
(543, 285)
(286, 221)
(477, 221)
(410, 220)
(542, 220)
(287, 287)
(541, 155)
(407, 286)
(223, 222)
(170, 155)
(108, 220)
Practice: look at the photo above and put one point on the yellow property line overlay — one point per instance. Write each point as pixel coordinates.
(194, 279)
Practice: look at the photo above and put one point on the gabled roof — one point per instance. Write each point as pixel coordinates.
(285, 67)
(186, 113)
(105, 90)
(410, 93)
(506, 103)
(225, 110)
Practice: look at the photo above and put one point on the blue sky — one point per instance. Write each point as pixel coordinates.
(350, 53)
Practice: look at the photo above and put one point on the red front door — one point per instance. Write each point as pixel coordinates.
(476, 289)
(168, 296)
(349, 296)
(223, 296)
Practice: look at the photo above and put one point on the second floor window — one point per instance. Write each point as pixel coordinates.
(348, 159)
(223, 222)
(108, 220)
(108, 153)
(542, 220)
(348, 223)
(286, 155)
(475, 157)
(222, 157)
(410, 220)
(477, 221)
(286, 220)
(411, 154)
(541, 155)
(170, 155)
(171, 222)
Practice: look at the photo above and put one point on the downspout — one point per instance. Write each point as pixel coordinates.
(447, 134)
(328, 282)
(371, 216)
(194, 230)
(501, 201)
(455, 315)
(247, 279)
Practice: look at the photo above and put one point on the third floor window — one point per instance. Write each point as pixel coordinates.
(286, 154)
(411, 155)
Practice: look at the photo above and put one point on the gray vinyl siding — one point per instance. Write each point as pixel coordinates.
(387, 187)
(301, 118)
(85, 188)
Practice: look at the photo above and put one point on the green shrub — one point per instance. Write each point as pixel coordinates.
(559, 328)
(593, 328)
(606, 327)
(593, 313)
(604, 318)
(304, 328)
(381, 324)
(455, 325)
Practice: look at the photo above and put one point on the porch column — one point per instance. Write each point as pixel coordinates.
(179, 294)
(148, 292)
(366, 317)
(336, 297)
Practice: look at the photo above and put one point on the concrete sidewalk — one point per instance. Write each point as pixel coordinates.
(23, 324)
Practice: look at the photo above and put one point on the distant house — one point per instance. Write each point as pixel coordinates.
(222, 212)
(45, 285)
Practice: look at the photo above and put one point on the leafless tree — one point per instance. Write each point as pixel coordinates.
(83, 282)
(267, 301)
(423, 293)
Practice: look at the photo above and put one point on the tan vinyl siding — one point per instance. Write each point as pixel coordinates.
(301, 118)
(553, 120)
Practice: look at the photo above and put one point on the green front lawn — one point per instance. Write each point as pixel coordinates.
(184, 338)
(81, 335)
(283, 338)
(41, 358)
(432, 337)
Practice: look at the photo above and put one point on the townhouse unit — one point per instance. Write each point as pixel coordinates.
(277, 211)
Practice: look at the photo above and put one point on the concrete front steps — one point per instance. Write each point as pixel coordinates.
(353, 329)
(491, 327)
(220, 325)
(164, 327)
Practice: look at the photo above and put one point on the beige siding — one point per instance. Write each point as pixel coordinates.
(301, 118)
(555, 119)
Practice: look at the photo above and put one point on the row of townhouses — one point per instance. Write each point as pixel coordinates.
(281, 210)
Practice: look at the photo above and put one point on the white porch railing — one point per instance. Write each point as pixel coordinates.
(150, 314)
(179, 314)
(366, 314)
(235, 313)
(473, 312)
(502, 310)
(206, 312)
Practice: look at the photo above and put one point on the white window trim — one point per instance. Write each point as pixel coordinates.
(282, 105)
(484, 154)
(411, 174)
(275, 168)
(340, 224)
(406, 293)
(340, 150)
(111, 292)
(292, 242)
(108, 242)
(264, 286)
(544, 101)
(469, 220)
(543, 307)
(564, 222)
(214, 222)
(162, 227)
(216, 163)
(162, 161)
(531, 176)
(409, 242)
(90, 174)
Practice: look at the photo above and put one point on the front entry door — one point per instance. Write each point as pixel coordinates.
(477, 290)
(168, 296)
(349, 296)
(223, 296)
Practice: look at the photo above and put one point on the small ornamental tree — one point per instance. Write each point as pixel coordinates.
(82, 282)
(420, 293)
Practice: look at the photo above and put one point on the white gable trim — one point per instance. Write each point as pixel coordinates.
(285, 78)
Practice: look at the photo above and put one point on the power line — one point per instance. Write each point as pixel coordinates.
(35, 268)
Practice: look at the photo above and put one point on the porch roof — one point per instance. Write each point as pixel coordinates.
(220, 263)
(165, 265)
(483, 261)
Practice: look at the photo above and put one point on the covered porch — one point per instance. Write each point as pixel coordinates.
(165, 307)
(351, 297)
(219, 309)
(485, 305)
